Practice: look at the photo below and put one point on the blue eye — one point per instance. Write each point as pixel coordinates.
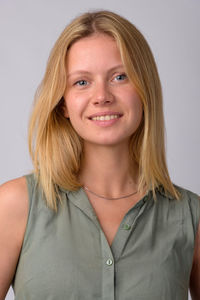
(121, 77)
(81, 82)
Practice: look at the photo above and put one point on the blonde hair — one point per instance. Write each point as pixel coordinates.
(55, 147)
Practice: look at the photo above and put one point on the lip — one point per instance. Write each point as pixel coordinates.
(106, 123)
(105, 113)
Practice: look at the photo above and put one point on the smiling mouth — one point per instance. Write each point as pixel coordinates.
(105, 118)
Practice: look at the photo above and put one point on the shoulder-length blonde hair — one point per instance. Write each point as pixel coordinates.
(55, 147)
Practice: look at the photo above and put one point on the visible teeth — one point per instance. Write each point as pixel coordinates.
(105, 118)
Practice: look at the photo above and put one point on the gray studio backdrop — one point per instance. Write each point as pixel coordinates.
(28, 30)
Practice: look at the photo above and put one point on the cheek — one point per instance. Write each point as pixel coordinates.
(140, 108)
(137, 113)
(75, 110)
(73, 106)
(136, 105)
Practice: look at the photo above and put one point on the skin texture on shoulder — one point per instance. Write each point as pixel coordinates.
(13, 216)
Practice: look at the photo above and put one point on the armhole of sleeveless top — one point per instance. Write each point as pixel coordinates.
(30, 187)
(198, 212)
(195, 206)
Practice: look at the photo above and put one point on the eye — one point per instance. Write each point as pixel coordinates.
(81, 83)
(120, 77)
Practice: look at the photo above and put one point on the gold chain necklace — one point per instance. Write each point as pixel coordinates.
(118, 198)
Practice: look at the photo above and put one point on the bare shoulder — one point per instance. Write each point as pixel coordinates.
(13, 216)
(14, 206)
(16, 185)
(14, 195)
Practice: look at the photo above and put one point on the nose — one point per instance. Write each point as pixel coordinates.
(102, 94)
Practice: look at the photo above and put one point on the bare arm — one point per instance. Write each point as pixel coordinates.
(13, 219)
(195, 273)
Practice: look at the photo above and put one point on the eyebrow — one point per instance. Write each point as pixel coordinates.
(86, 72)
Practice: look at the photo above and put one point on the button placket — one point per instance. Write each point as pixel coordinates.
(109, 262)
(108, 270)
(127, 228)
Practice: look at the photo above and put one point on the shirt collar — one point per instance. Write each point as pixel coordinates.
(80, 198)
(160, 189)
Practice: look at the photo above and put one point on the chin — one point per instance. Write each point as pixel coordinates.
(107, 142)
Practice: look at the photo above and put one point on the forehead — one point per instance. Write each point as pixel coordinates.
(93, 39)
(93, 50)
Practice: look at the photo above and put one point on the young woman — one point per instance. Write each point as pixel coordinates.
(99, 217)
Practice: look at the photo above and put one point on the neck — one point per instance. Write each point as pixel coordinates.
(106, 170)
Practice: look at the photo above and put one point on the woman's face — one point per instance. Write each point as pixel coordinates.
(101, 103)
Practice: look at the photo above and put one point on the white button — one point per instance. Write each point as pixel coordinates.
(109, 262)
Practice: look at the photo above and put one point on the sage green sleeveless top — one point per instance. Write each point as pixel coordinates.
(66, 255)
